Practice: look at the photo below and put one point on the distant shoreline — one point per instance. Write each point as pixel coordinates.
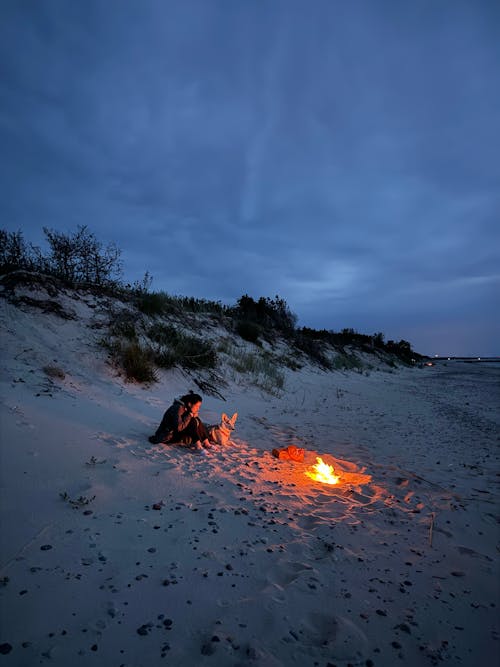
(467, 359)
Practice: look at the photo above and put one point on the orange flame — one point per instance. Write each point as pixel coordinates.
(322, 472)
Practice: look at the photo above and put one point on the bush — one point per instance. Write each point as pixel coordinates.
(249, 331)
(155, 303)
(346, 362)
(176, 347)
(313, 348)
(270, 314)
(14, 253)
(163, 334)
(124, 326)
(74, 258)
(80, 257)
(138, 364)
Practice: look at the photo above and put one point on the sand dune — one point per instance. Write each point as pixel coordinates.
(119, 552)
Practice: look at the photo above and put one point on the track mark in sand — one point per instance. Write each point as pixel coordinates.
(343, 639)
(112, 440)
(287, 573)
(310, 521)
(465, 551)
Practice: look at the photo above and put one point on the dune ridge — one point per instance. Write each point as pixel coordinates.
(115, 551)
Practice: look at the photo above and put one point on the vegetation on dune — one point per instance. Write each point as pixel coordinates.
(75, 258)
(156, 331)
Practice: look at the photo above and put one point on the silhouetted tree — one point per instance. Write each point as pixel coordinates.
(14, 252)
(80, 257)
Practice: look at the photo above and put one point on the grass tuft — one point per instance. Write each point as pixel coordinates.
(263, 370)
(54, 372)
(137, 362)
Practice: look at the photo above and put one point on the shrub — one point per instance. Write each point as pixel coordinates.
(74, 258)
(248, 330)
(270, 314)
(137, 363)
(313, 348)
(124, 326)
(346, 362)
(155, 303)
(164, 334)
(176, 347)
(14, 253)
(80, 257)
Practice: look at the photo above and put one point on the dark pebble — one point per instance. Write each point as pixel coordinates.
(404, 628)
(5, 648)
(93, 647)
(395, 645)
(143, 630)
(168, 622)
(215, 639)
(45, 547)
(381, 612)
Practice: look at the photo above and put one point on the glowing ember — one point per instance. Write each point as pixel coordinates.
(322, 472)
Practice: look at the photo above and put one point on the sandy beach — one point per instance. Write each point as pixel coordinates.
(122, 553)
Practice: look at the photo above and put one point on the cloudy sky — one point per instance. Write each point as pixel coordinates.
(342, 154)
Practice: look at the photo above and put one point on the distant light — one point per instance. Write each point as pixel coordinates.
(479, 358)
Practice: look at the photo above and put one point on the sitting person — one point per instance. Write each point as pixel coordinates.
(181, 424)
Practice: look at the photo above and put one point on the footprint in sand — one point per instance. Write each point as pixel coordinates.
(345, 641)
(310, 522)
(287, 573)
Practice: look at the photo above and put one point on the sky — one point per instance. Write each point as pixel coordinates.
(344, 155)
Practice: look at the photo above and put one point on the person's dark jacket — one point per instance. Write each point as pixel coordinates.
(175, 420)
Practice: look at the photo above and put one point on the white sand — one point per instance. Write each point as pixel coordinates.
(247, 561)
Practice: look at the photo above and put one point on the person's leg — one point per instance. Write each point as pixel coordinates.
(189, 435)
(202, 433)
(201, 430)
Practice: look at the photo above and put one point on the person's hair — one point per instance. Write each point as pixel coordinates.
(191, 398)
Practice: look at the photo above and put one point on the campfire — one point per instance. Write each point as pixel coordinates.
(322, 472)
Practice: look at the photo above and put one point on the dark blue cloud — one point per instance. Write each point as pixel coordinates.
(341, 155)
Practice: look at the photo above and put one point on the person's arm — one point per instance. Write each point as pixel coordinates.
(184, 416)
